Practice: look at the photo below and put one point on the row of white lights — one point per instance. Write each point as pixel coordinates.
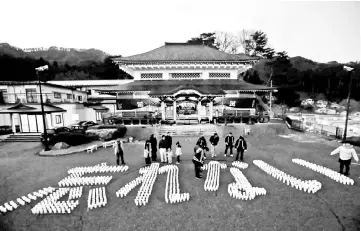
(51, 204)
(81, 181)
(100, 168)
(172, 191)
(11, 205)
(242, 189)
(325, 171)
(213, 171)
(147, 185)
(308, 185)
(97, 198)
(123, 191)
(239, 164)
(75, 193)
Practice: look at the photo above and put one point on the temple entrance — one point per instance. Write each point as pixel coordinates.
(187, 108)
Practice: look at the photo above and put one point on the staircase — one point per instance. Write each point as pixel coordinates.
(23, 137)
(189, 130)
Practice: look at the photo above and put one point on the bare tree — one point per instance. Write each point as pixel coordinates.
(227, 42)
(245, 40)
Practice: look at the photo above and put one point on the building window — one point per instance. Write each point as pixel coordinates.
(98, 115)
(80, 98)
(31, 95)
(219, 75)
(68, 96)
(73, 96)
(3, 95)
(58, 119)
(151, 75)
(185, 75)
(57, 95)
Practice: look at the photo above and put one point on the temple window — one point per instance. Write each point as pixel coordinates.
(185, 75)
(151, 76)
(219, 75)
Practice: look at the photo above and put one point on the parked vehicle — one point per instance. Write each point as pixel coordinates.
(88, 123)
(335, 106)
(52, 132)
(307, 102)
(4, 130)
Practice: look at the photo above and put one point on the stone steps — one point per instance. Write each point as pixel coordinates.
(23, 138)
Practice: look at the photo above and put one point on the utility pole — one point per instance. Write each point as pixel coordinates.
(351, 71)
(42, 106)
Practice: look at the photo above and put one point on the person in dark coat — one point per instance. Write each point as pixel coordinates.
(241, 147)
(153, 142)
(147, 152)
(229, 144)
(214, 141)
(118, 151)
(169, 142)
(163, 149)
(203, 144)
(198, 160)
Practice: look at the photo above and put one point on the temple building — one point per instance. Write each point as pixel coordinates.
(181, 81)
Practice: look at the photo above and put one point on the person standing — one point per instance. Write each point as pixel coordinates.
(203, 144)
(169, 152)
(118, 151)
(241, 147)
(163, 149)
(178, 151)
(153, 142)
(198, 160)
(147, 152)
(214, 141)
(346, 152)
(229, 144)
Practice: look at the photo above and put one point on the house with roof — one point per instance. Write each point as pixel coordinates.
(181, 80)
(20, 106)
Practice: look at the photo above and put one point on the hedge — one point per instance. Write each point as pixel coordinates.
(72, 139)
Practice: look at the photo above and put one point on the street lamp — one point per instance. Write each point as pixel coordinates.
(350, 70)
(40, 69)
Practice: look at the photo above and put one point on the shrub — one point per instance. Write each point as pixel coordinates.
(354, 105)
(72, 139)
(110, 126)
(120, 132)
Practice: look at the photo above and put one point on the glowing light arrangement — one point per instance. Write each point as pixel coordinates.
(75, 193)
(239, 164)
(172, 191)
(51, 204)
(242, 189)
(11, 205)
(99, 168)
(97, 198)
(213, 170)
(147, 179)
(325, 171)
(308, 185)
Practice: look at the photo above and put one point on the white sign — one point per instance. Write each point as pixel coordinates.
(232, 103)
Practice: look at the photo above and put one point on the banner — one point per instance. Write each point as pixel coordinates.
(131, 104)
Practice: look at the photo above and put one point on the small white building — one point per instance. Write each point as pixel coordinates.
(20, 106)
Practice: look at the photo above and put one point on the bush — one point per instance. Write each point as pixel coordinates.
(354, 105)
(110, 126)
(72, 139)
(120, 132)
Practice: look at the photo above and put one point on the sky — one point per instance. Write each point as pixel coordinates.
(322, 31)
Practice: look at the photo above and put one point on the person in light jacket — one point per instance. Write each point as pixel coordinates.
(241, 147)
(346, 152)
(178, 151)
(118, 151)
(147, 152)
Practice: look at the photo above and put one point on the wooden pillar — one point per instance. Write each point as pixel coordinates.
(12, 120)
(174, 110)
(163, 106)
(198, 111)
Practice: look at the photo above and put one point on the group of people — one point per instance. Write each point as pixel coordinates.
(346, 151)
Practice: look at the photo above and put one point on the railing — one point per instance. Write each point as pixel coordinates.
(35, 98)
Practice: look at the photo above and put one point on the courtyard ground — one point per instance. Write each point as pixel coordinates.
(334, 207)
